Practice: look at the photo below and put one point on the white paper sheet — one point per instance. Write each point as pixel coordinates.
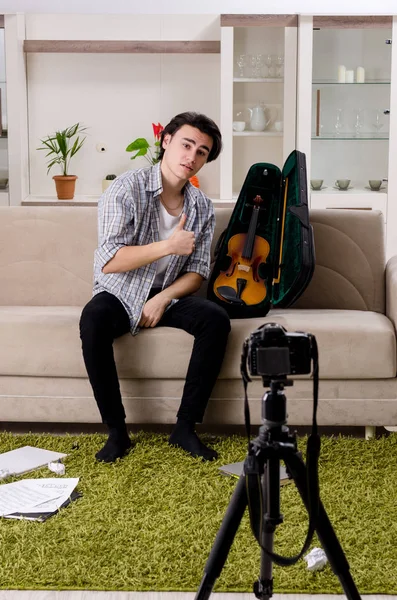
(18, 496)
(26, 459)
(35, 495)
(62, 486)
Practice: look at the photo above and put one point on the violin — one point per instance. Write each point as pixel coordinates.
(241, 284)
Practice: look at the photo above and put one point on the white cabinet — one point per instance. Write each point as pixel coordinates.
(258, 94)
(351, 130)
(345, 129)
(3, 123)
(350, 120)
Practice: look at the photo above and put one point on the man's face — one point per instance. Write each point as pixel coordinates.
(186, 151)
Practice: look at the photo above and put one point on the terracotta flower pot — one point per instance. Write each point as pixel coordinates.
(65, 185)
(106, 183)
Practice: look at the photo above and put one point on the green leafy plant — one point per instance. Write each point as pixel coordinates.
(61, 147)
(110, 177)
(142, 146)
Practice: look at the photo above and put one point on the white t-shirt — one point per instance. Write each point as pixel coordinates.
(167, 227)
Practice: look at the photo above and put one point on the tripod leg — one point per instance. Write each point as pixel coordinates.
(324, 530)
(223, 540)
(271, 516)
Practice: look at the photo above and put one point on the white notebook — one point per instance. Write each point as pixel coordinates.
(27, 458)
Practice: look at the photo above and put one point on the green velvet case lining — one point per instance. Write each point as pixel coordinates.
(292, 233)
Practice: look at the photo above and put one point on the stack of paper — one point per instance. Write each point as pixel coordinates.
(36, 499)
(33, 499)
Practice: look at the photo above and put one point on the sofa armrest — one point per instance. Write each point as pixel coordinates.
(391, 290)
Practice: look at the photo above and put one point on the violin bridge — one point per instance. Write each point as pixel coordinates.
(245, 268)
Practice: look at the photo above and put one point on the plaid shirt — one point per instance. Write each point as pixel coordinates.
(128, 215)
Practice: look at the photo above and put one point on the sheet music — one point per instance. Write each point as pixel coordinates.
(35, 495)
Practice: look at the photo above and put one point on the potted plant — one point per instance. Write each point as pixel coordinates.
(108, 181)
(142, 148)
(61, 148)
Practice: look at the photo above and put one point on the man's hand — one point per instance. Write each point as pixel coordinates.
(153, 310)
(181, 242)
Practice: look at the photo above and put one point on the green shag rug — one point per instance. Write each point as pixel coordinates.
(148, 522)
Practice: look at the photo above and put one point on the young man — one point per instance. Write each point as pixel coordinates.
(155, 233)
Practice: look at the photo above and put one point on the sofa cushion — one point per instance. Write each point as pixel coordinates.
(44, 341)
(350, 259)
(47, 255)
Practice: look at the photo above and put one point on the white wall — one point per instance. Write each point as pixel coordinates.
(117, 96)
(308, 7)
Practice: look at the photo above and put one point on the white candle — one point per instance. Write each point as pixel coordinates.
(360, 75)
(349, 76)
(341, 74)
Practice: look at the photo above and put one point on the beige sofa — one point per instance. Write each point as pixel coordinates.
(46, 256)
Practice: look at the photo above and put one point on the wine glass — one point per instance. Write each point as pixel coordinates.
(339, 122)
(241, 63)
(377, 125)
(358, 121)
(259, 62)
(279, 65)
(269, 62)
(253, 63)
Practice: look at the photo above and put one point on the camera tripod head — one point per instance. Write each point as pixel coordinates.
(274, 402)
(277, 382)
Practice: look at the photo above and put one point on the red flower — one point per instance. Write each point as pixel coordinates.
(157, 129)
(195, 181)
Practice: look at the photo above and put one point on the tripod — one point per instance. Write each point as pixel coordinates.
(273, 443)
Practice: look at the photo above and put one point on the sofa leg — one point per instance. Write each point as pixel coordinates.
(369, 431)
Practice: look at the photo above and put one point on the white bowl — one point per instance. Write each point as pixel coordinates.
(238, 125)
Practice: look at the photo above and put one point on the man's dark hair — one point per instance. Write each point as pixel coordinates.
(200, 122)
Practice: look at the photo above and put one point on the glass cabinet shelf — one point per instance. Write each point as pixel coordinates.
(258, 79)
(257, 133)
(330, 82)
(347, 136)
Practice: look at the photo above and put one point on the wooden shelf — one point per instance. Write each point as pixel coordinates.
(259, 20)
(79, 200)
(327, 22)
(123, 47)
(350, 22)
(85, 200)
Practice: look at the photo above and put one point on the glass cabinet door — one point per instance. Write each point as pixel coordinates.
(351, 76)
(3, 124)
(262, 66)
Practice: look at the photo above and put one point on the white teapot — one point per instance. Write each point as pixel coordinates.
(258, 120)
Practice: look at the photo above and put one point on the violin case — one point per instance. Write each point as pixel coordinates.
(265, 258)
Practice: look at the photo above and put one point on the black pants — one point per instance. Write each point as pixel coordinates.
(104, 318)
